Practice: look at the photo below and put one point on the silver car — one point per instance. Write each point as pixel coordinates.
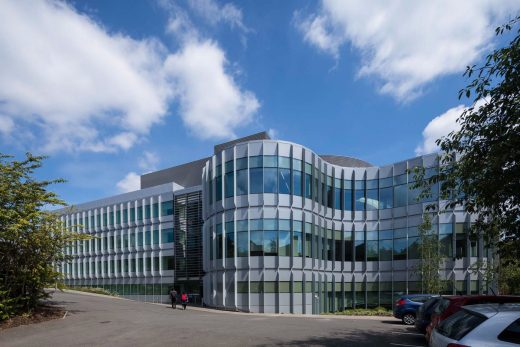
(480, 325)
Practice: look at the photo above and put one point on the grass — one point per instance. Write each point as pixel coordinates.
(94, 290)
(377, 311)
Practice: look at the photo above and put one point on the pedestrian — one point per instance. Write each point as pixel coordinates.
(184, 300)
(173, 298)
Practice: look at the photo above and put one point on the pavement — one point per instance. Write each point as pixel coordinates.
(97, 320)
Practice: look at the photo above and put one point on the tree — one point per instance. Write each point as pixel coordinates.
(32, 238)
(480, 163)
(428, 268)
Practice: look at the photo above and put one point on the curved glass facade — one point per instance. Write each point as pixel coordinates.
(286, 231)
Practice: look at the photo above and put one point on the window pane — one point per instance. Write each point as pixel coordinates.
(297, 182)
(400, 195)
(256, 246)
(230, 245)
(284, 162)
(385, 250)
(229, 184)
(297, 244)
(413, 248)
(218, 188)
(242, 182)
(372, 251)
(284, 247)
(270, 243)
(241, 163)
(255, 161)
(446, 245)
(360, 250)
(242, 244)
(270, 180)
(400, 249)
(308, 186)
(347, 199)
(372, 201)
(270, 161)
(284, 181)
(256, 180)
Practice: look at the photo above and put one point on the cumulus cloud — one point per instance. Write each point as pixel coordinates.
(148, 161)
(214, 14)
(74, 86)
(441, 126)
(131, 182)
(406, 44)
(211, 102)
(6, 125)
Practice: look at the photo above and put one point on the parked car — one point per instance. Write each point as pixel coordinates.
(480, 325)
(424, 313)
(452, 304)
(406, 307)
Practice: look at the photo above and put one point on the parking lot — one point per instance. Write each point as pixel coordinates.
(97, 320)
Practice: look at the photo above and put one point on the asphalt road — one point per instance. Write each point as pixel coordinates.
(97, 320)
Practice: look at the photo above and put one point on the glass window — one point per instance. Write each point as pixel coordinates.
(297, 242)
(168, 263)
(347, 249)
(386, 182)
(139, 239)
(270, 243)
(347, 199)
(256, 287)
(284, 181)
(270, 161)
(413, 248)
(460, 246)
(167, 235)
(459, 324)
(372, 201)
(155, 237)
(308, 181)
(400, 249)
(219, 240)
(148, 237)
(511, 333)
(385, 250)
(230, 240)
(284, 244)
(241, 163)
(284, 162)
(360, 250)
(400, 195)
(256, 180)
(242, 182)
(446, 248)
(400, 179)
(372, 251)
(167, 208)
(228, 167)
(155, 210)
(308, 240)
(255, 245)
(256, 161)
(228, 186)
(270, 180)
(242, 241)
(218, 188)
(297, 182)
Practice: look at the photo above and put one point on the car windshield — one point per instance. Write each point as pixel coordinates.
(458, 325)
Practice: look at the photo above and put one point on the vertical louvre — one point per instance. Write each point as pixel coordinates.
(188, 236)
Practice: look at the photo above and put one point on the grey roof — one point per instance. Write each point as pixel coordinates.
(186, 175)
(258, 136)
(345, 161)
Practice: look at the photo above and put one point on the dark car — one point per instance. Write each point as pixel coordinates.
(424, 313)
(448, 305)
(406, 307)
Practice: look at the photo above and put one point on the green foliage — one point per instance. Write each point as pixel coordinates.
(480, 163)
(428, 268)
(509, 277)
(377, 311)
(32, 238)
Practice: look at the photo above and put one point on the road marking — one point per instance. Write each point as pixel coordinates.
(65, 315)
(397, 332)
(402, 344)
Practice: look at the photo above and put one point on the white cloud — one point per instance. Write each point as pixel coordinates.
(213, 13)
(65, 74)
(74, 86)
(131, 182)
(6, 125)
(438, 127)
(441, 126)
(406, 44)
(149, 161)
(212, 104)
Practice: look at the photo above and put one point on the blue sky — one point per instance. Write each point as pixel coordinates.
(111, 89)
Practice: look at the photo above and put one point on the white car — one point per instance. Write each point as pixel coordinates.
(486, 325)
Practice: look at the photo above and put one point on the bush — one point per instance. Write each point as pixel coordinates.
(377, 311)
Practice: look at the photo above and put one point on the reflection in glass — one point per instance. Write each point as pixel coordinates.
(284, 247)
(270, 180)
(256, 245)
(270, 243)
(256, 180)
(242, 182)
(400, 249)
(284, 181)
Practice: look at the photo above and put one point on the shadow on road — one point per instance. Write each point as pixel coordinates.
(354, 338)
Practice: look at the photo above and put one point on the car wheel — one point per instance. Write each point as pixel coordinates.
(409, 319)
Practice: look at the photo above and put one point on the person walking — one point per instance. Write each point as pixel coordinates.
(173, 298)
(184, 300)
